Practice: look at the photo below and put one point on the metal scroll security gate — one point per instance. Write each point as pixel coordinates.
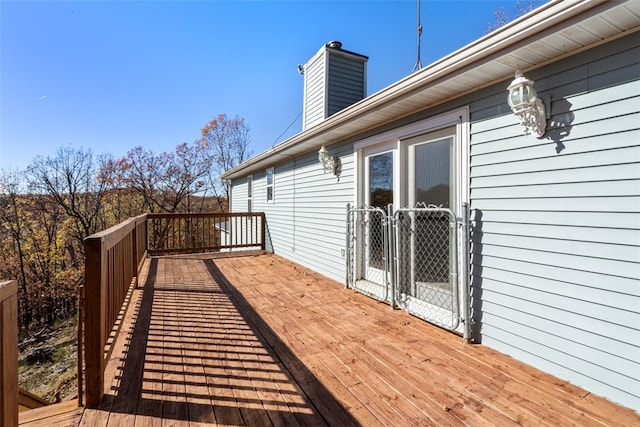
(415, 258)
(426, 264)
(367, 236)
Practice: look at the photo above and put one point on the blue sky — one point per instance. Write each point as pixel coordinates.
(112, 75)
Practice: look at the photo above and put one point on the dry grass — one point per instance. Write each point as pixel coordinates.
(54, 376)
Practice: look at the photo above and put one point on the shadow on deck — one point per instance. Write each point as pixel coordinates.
(258, 341)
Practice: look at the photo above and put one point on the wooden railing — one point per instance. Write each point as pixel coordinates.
(181, 233)
(113, 258)
(111, 270)
(9, 353)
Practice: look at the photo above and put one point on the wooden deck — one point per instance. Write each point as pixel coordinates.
(259, 341)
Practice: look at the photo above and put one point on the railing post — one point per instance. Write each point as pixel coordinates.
(347, 248)
(391, 235)
(95, 291)
(263, 236)
(134, 248)
(9, 353)
(466, 299)
(146, 233)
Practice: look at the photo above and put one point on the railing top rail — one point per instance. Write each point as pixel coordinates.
(204, 214)
(8, 288)
(113, 235)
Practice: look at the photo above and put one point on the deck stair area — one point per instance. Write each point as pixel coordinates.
(28, 401)
(64, 414)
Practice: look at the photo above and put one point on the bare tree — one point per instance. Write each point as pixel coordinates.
(12, 220)
(74, 180)
(35, 250)
(120, 202)
(226, 142)
(164, 181)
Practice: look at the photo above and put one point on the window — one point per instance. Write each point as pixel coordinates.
(270, 185)
(249, 192)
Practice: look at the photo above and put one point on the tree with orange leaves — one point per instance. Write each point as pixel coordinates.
(226, 142)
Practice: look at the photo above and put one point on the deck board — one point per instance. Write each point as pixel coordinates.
(260, 341)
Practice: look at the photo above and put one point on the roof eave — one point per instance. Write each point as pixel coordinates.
(493, 49)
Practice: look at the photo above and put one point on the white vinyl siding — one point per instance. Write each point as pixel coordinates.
(346, 83)
(314, 91)
(556, 223)
(238, 195)
(307, 223)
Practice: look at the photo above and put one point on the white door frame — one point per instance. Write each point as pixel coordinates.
(391, 140)
(394, 140)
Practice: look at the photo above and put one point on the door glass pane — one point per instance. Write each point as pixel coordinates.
(430, 230)
(380, 195)
(432, 165)
(381, 180)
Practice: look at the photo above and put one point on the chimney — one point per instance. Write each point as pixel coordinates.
(334, 79)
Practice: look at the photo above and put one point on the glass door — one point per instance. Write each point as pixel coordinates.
(431, 184)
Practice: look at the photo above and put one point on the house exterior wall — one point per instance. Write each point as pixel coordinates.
(239, 196)
(555, 248)
(306, 220)
(556, 223)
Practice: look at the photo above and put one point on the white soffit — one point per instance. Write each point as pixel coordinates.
(555, 30)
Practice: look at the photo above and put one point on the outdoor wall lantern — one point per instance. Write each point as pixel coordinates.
(526, 105)
(329, 163)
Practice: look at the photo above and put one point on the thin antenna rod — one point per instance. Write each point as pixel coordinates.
(418, 64)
